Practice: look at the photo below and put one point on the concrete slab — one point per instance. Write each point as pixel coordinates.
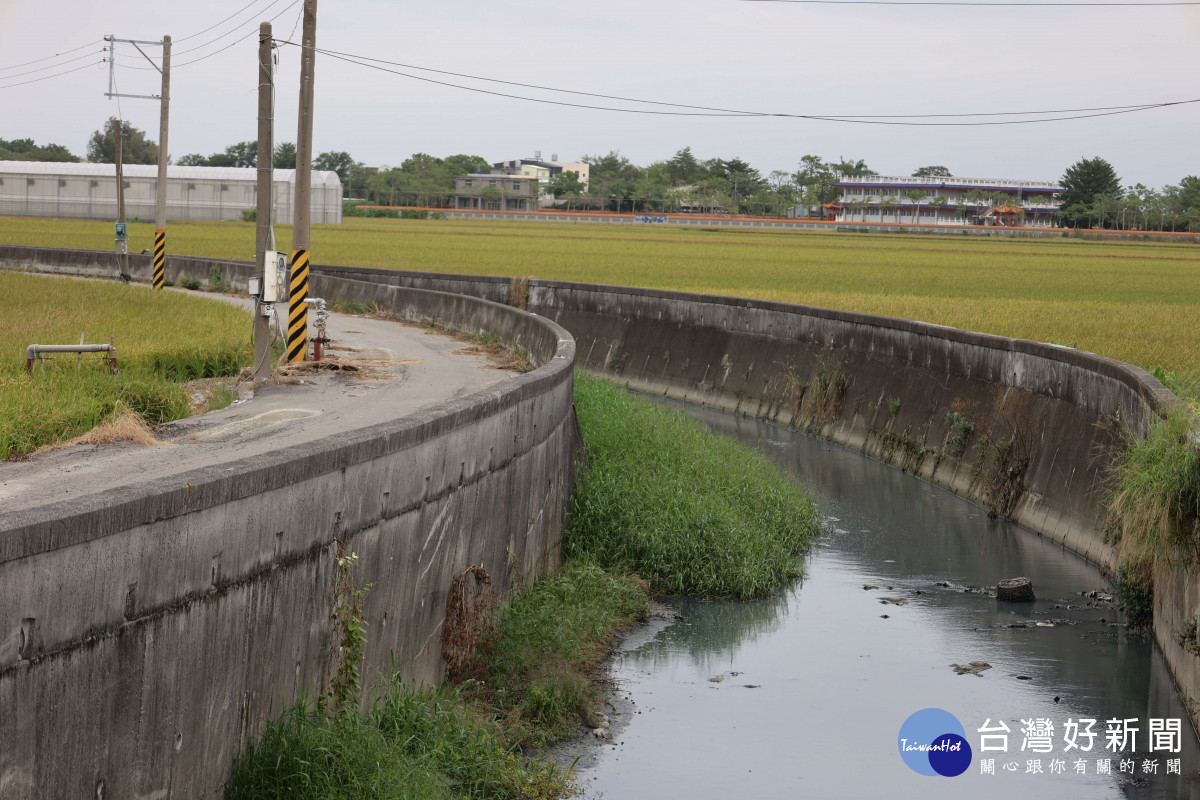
(400, 369)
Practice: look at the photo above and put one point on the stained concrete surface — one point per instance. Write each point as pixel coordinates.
(400, 369)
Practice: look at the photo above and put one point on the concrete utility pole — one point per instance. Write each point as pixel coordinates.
(266, 152)
(297, 340)
(160, 196)
(160, 232)
(122, 247)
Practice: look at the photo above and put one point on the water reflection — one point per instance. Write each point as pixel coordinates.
(803, 694)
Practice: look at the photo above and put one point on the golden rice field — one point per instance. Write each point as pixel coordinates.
(1136, 301)
(162, 339)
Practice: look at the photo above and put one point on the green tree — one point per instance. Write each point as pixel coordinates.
(1083, 183)
(192, 160)
(682, 168)
(337, 161)
(816, 179)
(27, 150)
(852, 169)
(284, 156)
(932, 171)
(135, 147)
(916, 196)
(565, 184)
(612, 178)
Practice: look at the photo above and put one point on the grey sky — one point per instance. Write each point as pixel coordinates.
(809, 59)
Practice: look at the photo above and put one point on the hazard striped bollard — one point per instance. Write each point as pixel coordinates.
(297, 340)
(160, 257)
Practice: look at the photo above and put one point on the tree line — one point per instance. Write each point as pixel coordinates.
(1092, 194)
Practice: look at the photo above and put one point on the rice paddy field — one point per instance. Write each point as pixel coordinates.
(1131, 300)
(163, 339)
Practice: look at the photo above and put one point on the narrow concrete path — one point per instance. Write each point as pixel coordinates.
(399, 370)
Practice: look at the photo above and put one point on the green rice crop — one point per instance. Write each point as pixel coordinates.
(162, 339)
(1130, 300)
(690, 511)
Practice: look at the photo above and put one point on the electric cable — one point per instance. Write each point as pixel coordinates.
(48, 77)
(335, 53)
(982, 3)
(50, 58)
(713, 112)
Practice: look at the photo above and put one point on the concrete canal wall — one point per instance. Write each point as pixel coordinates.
(146, 634)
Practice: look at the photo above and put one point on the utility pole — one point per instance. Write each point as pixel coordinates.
(160, 232)
(160, 196)
(122, 244)
(266, 152)
(297, 339)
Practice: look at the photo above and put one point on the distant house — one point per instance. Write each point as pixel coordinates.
(945, 201)
(496, 192)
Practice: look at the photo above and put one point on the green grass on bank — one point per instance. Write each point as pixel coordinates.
(690, 511)
(1131, 300)
(538, 665)
(162, 340)
(413, 744)
(535, 684)
(703, 513)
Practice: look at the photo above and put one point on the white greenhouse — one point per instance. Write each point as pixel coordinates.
(89, 191)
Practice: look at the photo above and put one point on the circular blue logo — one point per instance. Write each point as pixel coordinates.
(933, 742)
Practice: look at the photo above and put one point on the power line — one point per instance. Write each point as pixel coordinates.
(253, 32)
(222, 22)
(53, 66)
(731, 111)
(230, 32)
(48, 58)
(48, 77)
(706, 111)
(981, 4)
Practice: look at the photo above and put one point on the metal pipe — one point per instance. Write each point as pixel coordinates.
(321, 316)
(35, 350)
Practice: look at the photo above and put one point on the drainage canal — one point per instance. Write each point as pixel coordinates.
(804, 695)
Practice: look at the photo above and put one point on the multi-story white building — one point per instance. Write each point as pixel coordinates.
(945, 201)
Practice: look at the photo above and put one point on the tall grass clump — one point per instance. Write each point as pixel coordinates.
(690, 511)
(1154, 507)
(162, 338)
(536, 664)
(414, 743)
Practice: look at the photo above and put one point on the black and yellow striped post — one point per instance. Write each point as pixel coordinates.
(297, 341)
(160, 257)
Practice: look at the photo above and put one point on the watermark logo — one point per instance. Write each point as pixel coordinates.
(933, 742)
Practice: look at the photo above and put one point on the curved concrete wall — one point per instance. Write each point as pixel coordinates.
(1014, 425)
(148, 633)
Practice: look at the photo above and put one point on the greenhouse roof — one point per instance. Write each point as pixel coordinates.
(68, 169)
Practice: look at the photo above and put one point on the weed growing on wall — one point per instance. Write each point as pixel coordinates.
(688, 510)
(351, 626)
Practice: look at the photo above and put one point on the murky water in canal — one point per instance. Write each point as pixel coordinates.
(803, 695)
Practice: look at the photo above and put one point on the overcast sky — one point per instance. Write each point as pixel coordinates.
(774, 57)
